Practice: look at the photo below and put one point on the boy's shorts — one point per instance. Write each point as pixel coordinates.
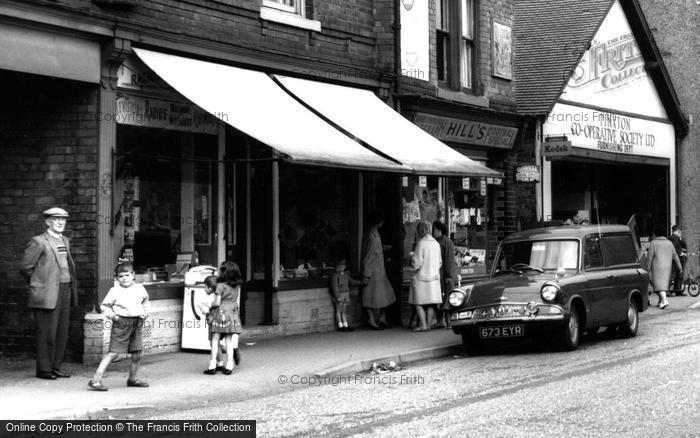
(126, 335)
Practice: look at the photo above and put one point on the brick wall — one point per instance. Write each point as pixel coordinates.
(48, 138)
(347, 36)
(500, 92)
(674, 25)
(162, 331)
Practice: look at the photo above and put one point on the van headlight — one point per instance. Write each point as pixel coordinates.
(549, 292)
(459, 297)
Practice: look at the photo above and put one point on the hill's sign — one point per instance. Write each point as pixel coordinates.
(467, 131)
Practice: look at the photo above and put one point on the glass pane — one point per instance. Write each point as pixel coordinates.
(317, 207)
(553, 254)
(592, 257)
(619, 250)
(466, 64)
(467, 22)
(443, 55)
(443, 14)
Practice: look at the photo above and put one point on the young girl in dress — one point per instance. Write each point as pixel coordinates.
(225, 319)
(340, 289)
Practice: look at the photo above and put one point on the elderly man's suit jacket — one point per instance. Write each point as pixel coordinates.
(41, 270)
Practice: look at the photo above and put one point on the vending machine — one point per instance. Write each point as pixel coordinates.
(196, 304)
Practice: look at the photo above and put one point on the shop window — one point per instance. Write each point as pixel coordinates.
(317, 225)
(163, 192)
(467, 209)
(422, 200)
(455, 28)
(290, 12)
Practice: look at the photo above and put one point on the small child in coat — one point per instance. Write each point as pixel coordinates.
(340, 290)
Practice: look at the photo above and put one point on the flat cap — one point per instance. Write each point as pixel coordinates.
(55, 212)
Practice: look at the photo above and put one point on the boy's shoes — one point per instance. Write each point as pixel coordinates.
(349, 329)
(229, 369)
(59, 373)
(236, 356)
(97, 385)
(212, 371)
(47, 375)
(342, 329)
(218, 368)
(136, 383)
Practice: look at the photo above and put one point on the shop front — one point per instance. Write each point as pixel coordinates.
(217, 163)
(466, 204)
(609, 147)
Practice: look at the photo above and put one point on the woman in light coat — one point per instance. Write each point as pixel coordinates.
(425, 290)
(377, 293)
(662, 255)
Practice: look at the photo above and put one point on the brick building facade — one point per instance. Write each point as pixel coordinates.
(68, 143)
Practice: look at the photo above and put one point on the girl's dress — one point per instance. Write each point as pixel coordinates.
(226, 318)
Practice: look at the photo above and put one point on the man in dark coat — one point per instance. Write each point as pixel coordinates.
(48, 268)
(682, 251)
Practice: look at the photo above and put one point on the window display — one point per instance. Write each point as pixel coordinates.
(163, 191)
(468, 216)
(317, 225)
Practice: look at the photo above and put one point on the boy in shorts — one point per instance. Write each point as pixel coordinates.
(126, 305)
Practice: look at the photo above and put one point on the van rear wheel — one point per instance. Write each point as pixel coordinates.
(628, 328)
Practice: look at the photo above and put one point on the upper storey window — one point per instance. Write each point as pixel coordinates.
(455, 43)
(291, 12)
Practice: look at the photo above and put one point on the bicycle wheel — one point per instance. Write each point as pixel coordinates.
(693, 289)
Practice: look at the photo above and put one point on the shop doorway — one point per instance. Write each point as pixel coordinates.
(610, 194)
(382, 191)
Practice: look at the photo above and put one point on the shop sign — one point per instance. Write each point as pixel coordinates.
(611, 72)
(528, 173)
(610, 132)
(135, 75)
(467, 131)
(155, 113)
(556, 148)
(415, 39)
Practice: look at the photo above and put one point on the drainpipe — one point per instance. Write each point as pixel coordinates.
(397, 54)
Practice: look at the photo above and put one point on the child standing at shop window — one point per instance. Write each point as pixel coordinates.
(340, 289)
(224, 316)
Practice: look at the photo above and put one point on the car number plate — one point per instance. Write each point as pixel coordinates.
(504, 331)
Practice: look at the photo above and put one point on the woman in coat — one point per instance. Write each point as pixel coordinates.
(377, 293)
(662, 255)
(425, 290)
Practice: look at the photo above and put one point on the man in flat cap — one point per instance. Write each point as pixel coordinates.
(49, 269)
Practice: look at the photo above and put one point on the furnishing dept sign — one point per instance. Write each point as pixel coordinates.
(610, 132)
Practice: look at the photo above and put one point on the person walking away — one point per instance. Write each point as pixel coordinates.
(48, 268)
(340, 290)
(448, 271)
(662, 255)
(682, 251)
(127, 306)
(225, 317)
(425, 290)
(377, 293)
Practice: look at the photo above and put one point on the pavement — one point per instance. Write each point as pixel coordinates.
(267, 367)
